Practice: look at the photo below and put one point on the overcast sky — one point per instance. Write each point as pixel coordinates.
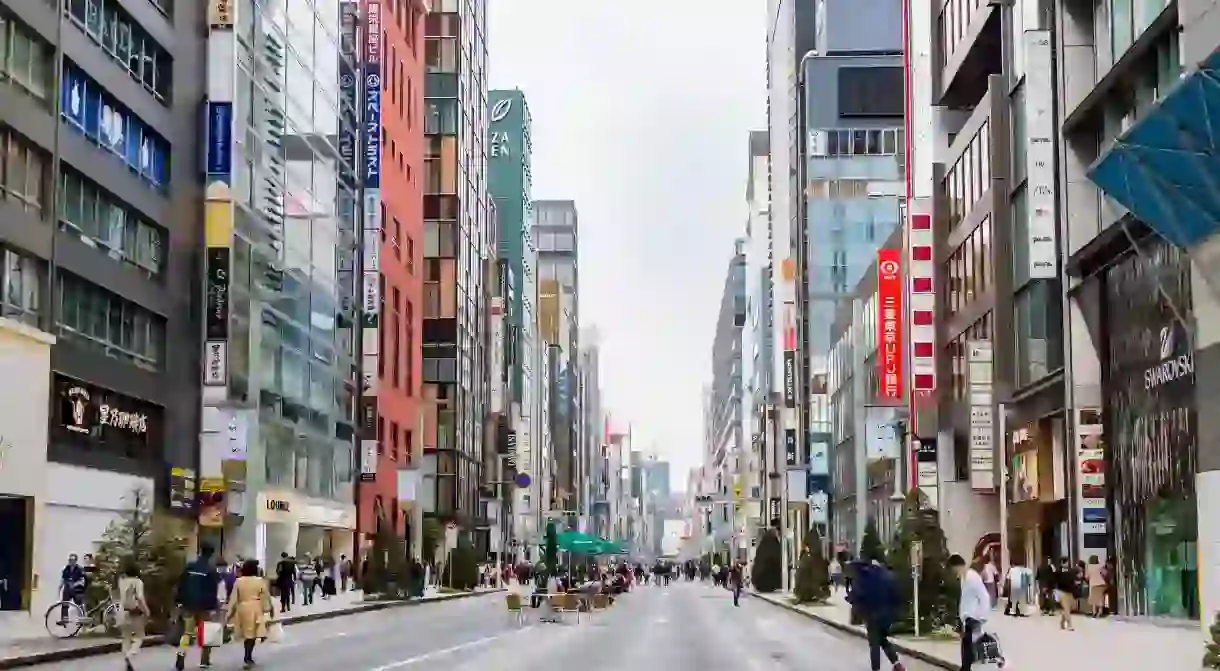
(641, 112)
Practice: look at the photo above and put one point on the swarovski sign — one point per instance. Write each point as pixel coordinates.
(1170, 367)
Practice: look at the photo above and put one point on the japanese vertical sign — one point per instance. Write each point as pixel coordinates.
(889, 323)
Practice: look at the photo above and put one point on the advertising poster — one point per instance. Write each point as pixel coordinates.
(1093, 521)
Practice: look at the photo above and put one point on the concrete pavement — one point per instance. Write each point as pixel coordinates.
(684, 626)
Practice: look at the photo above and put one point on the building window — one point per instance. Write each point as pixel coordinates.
(409, 359)
(25, 60)
(440, 116)
(862, 142)
(441, 55)
(969, 269)
(396, 341)
(93, 316)
(113, 29)
(110, 226)
(94, 112)
(956, 350)
(21, 282)
(394, 441)
(1039, 321)
(24, 172)
(970, 177)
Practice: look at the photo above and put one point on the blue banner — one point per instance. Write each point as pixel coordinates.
(372, 96)
(220, 138)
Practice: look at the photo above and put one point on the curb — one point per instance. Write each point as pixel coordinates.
(858, 632)
(107, 647)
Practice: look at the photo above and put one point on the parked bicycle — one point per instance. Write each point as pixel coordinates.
(66, 619)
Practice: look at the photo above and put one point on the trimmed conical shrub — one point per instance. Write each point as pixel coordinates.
(813, 573)
(767, 572)
(938, 587)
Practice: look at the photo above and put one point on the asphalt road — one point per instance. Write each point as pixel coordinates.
(684, 626)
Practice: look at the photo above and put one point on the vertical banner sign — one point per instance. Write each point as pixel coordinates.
(889, 323)
(370, 282)
(218, 193)
(1040, 155)
(790, 447)
(926, 474)
(1094, 516)
(982, 414)
(349, 84)
(789, 379)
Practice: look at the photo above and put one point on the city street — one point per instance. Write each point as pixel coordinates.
(684, 626)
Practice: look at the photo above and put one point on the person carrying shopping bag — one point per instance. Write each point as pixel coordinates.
(133, 614)
(249, 608)
(978, 645)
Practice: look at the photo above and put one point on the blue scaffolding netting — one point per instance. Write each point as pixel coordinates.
(1165, 169)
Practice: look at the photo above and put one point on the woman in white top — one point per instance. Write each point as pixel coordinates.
(974, 607)
(133, 611)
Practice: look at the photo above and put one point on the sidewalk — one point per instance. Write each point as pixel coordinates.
(1036, 642)
(27, 643)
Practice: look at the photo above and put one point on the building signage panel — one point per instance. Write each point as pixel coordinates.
(368, 460)
(819, 507)
(216, 321)
(790, 447)
(220, 13)
(220, 138)
(982, 415)
(1040, 133)
(90, 412)
(789, 379)
(926, 477)
(889, 323)
(372, 95)
(819, 455)
(215, 363)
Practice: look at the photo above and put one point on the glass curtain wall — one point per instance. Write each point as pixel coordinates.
(293, 288)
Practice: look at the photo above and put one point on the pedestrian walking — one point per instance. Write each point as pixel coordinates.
(1065, 592)
(250, 609)
(345, 571)
(973, 608)
(133, 612)
(1045, 577)
(990, 576)
(737, 581)
(1018, 584)
(875, 598)
(198, 600)
(309, 578)
(1095, 573)
(836, 575)
(285, 581)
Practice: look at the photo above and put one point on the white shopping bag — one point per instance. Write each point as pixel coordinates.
(275, 632)
(211, 634)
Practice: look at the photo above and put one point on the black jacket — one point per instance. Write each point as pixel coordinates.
(874, 591)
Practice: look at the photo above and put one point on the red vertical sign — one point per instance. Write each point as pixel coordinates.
(889, 323)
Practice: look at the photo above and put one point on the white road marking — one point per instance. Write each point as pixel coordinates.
(448, 651)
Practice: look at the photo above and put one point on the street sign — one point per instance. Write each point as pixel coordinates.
(916, 556)
(737, 491)
(522, 480)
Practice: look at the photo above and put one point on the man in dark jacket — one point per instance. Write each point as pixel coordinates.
(198, 601)
(875, 596)
(736, 581)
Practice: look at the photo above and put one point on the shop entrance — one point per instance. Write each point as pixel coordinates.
(14, 551)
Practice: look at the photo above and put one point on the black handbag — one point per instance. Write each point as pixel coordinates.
(987, 650)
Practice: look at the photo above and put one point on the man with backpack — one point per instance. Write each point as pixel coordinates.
(198, 600)
(875, 596)
(135, 611)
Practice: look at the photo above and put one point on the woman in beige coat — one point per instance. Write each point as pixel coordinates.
(248, 608)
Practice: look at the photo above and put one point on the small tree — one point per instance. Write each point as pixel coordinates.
(1211, 656)
(462, 569)
(870, 546)
(813, 574)
(938, 587)
(431, 533)
(767, 572)
(159, 550)
(551, 550)
(376, 575)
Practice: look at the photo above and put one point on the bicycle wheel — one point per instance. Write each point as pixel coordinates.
(110, 618)
(65, 619)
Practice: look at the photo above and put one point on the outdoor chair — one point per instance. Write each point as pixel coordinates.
(569, 603)
(516, 609)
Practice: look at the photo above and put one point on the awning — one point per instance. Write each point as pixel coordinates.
(1166, 168)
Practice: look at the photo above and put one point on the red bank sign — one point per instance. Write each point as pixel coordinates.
(889, 323)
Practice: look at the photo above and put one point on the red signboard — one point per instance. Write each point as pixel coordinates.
(889, 323)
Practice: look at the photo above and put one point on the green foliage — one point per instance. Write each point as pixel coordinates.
(938, 587)
(1211, 656)
(376, 574)
(767, 572)
(431, 533)
(870, 546)
(388, 574)
(159, 548)
(813, 574)
(462, 569)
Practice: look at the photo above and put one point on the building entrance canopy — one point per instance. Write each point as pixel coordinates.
(1166, 168)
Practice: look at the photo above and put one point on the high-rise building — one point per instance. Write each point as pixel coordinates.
(556, 232)
(593, 436)
(758, 343)
(281, 314)
(99, 233)
(394, 244)
(457, 217)
(510, 181)
(727, 451)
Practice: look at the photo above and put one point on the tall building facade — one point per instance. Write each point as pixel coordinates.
(758, 343)
(393, 246)
(556, 232)
(593, 505)
(510, 181)
(99, 233)
(726, 410)
(281, 315)
(1139, 298)
(455, 295)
